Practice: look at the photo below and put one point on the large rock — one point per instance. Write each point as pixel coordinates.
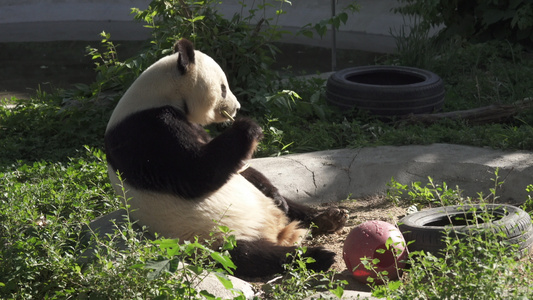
(333, 175)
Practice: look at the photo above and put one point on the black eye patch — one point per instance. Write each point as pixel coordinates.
(223, 87)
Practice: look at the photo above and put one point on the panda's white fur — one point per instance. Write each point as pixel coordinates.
(200, 89)
(175, 97)
(238, 205)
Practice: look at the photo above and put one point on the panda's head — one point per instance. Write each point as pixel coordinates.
(208, 93)
(188, 80)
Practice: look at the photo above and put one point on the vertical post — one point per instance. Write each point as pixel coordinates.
(334, 39)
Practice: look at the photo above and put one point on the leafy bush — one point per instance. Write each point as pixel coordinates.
(434, 194)
(478, 20)
(335, 21)
(243, 50)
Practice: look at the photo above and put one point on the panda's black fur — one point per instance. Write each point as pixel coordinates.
(152, 166)
(177, 177)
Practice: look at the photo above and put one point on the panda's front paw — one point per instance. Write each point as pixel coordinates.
(251, 129)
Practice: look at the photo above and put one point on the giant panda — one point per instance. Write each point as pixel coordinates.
(180, 182)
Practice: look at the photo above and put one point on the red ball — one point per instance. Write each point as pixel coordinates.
(364, 240)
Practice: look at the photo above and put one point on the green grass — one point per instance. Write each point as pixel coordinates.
(54, 181)
(475, 75)
(43, 129)
(44, 206)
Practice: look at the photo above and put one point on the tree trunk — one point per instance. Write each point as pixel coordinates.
(482, 115)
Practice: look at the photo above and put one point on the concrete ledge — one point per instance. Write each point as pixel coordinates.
(23, 11)
(44, 31)
(335, 174)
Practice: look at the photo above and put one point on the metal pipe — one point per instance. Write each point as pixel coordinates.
(334, 39)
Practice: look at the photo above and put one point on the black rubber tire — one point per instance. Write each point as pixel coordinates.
(425, 230)
(386, 90)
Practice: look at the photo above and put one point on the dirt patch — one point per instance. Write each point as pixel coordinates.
(360, 211)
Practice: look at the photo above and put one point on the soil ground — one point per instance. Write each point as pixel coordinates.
(360, 211)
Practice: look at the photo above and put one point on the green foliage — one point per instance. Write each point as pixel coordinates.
(423, 196)
(335, 21)
(43, 207)
(472, 269)
(476, 265)
(528, 204)
(475, 20)
(111, 73)
(243, 50)
(492, 72)
(52, 186)
(474, 74)
(300, 282)
(42, 128)
(187, 264)
(414, 45)
(433, 194)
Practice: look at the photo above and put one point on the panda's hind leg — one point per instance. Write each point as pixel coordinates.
(328, 221)
(266, 187)
(263, 258)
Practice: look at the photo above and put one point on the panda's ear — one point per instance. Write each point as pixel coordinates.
(186, 55)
